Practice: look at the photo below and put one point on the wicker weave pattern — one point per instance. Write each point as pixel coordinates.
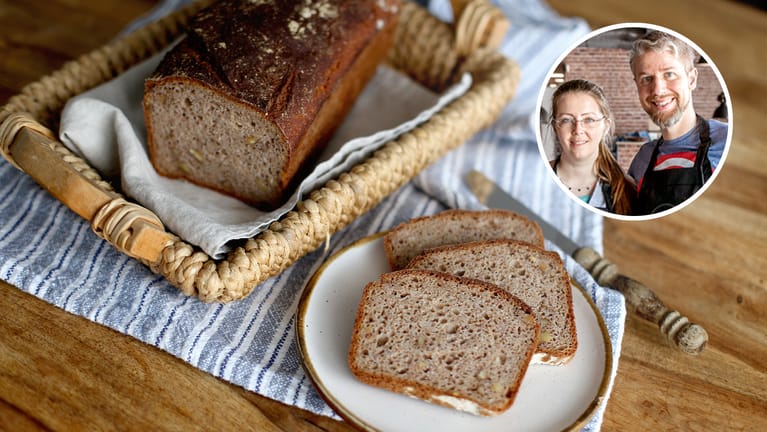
(424, 48)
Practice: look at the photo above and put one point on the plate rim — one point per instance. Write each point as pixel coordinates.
(358, 422)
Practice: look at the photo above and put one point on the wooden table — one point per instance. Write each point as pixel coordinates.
(61, 372)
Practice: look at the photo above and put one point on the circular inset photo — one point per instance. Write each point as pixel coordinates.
(634, 121)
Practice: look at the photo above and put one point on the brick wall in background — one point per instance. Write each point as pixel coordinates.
(625, 153)
(609, 68)
(706, 94)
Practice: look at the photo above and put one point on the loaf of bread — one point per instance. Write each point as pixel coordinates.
(245, 102)
(536, 276)
(456, 226)
(456, 342)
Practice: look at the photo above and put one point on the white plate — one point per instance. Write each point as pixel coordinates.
(551, 398)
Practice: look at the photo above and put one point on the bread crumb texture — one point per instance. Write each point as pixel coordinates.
(451, 341)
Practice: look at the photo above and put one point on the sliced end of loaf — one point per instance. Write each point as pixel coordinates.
(220, 137)
(451, 341)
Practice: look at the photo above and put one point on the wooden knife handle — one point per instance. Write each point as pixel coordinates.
(688, 337)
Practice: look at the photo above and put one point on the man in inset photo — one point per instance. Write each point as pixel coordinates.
(670, 169)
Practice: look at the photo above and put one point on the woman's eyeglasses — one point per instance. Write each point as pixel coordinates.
(568, 122)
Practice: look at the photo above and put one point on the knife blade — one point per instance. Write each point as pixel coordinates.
(689, 337)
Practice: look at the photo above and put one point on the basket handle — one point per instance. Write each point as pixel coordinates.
(32, 148)
(478, 24)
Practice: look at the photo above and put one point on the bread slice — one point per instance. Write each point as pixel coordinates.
(456, 342)
(538, 277)
(456, 226)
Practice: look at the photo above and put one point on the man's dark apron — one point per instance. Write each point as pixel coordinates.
(662, 190)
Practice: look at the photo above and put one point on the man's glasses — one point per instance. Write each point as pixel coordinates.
(568, 122)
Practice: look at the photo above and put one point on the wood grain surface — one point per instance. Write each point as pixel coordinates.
(709, 260)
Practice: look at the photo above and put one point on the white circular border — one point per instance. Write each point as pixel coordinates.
(722, 83)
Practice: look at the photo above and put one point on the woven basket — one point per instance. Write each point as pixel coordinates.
(428, 50)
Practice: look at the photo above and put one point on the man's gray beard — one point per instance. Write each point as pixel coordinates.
(673, 119)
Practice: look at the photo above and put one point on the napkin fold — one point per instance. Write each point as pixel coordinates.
(48, 251)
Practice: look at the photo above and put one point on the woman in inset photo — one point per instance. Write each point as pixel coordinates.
(583, 125)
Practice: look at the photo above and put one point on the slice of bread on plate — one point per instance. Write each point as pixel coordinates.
(454, 226)
(451, 341)
(534, 275)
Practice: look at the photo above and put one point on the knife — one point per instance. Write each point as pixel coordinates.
(690, 338)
